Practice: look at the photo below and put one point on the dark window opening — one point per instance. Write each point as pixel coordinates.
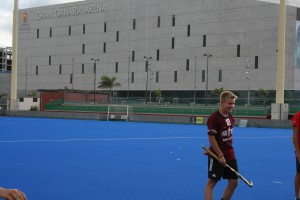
(238, 50)
(82, 68)
(117, 67)
(256, 62)
(132, 56)
(173, 20)
(187, 64)
(158, 21)
(134, 24)
(173, 42)
(70, 30)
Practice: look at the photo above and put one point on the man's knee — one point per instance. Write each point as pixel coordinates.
(233, 183)
(210, 183)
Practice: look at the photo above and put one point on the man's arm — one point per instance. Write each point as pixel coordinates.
(296, 142)
(215, 146)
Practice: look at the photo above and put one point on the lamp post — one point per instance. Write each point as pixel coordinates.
(128, 78)
(207, 55)
(150, 84)
(26, 79)
(147, 70)
(195, 82)
(72, 75)
(248, 79)
(95, 61)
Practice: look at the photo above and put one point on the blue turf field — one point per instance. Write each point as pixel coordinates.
(97, 160)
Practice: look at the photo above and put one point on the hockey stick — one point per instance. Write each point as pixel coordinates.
(249, 183)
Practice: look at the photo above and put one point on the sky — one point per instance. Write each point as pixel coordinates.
(6, 16)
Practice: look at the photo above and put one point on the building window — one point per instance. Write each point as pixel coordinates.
(95, 70)
(157, 77)
(157, 54)
(204, 40)
(238, 50)
(82, 68)
(134, 24)
(220, 75)
(49, 60)
(35, 99)
(298, 14)
(71, 78)
(117, 36)
(104, 47)
(104, 29)
(175, 76)
(37, 33)
(50, 32)
(173, 42)
(36, 70)
(117, 67)
(132, 56)
(83, 48)
(132, 77)
(70, 30)
(60, 69)
(189, 30)
(256, 62)
(173, 20)
(203, 75)
(158, 21)
(83, 29)
(21, 99)
(187, 64)
(146, 65)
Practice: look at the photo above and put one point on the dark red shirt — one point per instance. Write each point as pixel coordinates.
(221, 127)
(296, 123)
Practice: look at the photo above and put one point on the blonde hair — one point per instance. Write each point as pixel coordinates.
(227, 95)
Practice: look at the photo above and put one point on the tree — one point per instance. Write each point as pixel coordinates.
(107, 82)
(263, 94)
(218, 91)
(157, 94)
(2, 95)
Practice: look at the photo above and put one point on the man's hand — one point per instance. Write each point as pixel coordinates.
(222, 160)
(12, 194)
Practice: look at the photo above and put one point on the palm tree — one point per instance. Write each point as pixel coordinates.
(2, 95)
(157, 94)
(107, 82)
(218, 91)
(263, 93)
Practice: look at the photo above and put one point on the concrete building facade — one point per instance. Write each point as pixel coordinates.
(5, 59)
(186, 45)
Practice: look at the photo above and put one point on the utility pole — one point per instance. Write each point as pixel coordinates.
(207, 55)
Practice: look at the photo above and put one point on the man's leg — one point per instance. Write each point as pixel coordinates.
(209, 189)
(297, 184)
(229, 190)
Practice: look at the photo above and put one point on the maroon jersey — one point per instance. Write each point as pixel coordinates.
(296, 123)
(221, 127)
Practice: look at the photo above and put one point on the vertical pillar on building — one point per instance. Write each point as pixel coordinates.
(277, 108)
(14, 71)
